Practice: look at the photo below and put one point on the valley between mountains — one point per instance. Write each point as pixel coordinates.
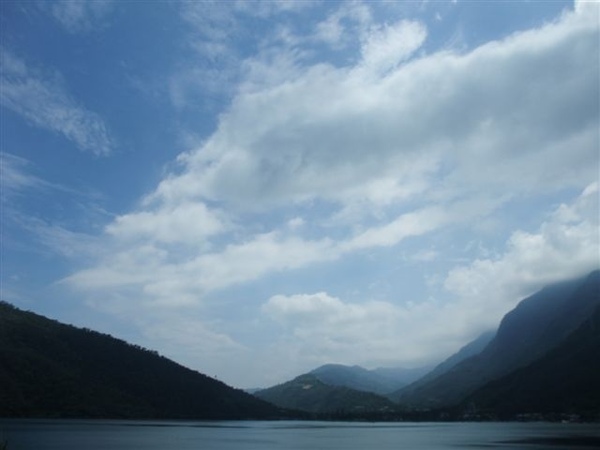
(542, 362)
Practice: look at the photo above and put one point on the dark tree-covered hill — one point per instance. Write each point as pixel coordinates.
(49, 369)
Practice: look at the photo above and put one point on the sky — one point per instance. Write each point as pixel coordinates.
(257, 188)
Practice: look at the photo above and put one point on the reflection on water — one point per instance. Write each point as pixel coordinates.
(186, 435)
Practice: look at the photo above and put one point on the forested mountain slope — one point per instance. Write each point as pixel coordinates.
(538, 324)
(565, 380)
(49, 369)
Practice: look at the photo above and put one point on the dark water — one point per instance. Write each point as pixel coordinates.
(129, 435)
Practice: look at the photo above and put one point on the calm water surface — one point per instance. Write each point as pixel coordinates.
(130, 435)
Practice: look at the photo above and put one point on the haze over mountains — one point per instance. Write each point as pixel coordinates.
(538, 324)
(543, 359)
(379, 381)
(546, 350)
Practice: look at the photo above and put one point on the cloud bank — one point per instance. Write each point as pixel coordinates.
(316, 163)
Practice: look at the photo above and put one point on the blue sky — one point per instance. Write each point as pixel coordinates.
(257, 188)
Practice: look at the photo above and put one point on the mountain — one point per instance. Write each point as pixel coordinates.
(49, 369)
(471, 349)
(537, 325)
(565, 380)
(379, 381)
(308, 393)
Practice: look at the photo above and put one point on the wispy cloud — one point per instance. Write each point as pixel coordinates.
(80, 16)
(14, 176)
(221, 37)
(387, 46)
(18, 185)
(41, 97)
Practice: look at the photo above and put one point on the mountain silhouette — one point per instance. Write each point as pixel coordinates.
(49, 369)
(535, 326)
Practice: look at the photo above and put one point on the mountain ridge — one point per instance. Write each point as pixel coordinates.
(379, 381)
(470, 349)
(526, 333)
(51, 369)
(567, 371)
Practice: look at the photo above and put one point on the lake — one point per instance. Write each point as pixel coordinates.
(292, 435)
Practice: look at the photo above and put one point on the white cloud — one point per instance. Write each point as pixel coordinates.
(321, 328)
(167, 256)
(432, 144)
(42, 99)
(260, 256)
(409, 224)
(324, 328)
(172, 278)
(188, 223)
(482, 120)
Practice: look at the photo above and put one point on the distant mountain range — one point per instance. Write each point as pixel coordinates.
(49, 369)
(337, 388)
(340, 388)
(544, 357)
(379, 381)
